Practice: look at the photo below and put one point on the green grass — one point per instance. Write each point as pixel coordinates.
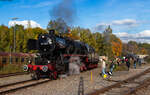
(11, 68)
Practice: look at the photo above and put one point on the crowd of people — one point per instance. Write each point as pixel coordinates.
(110, 65)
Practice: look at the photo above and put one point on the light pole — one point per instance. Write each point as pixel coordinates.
(15, 18)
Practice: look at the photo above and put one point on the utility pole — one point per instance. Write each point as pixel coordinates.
(15, 18)
(10, 59)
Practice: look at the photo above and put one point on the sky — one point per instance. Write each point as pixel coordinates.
(129, 19)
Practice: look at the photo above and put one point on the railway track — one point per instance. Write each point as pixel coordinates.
(8, 88)
(126, 87)
(12, 74)
(144, 84)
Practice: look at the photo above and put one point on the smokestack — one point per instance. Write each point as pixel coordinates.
(52, 32)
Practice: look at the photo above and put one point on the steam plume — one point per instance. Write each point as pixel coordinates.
(64, 10)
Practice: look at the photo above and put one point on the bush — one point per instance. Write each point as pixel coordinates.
(121, 68)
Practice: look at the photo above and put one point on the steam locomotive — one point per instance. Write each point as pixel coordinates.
(56, 53)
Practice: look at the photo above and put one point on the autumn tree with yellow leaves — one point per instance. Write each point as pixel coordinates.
(113, 44)
(105, 43)
(116, 46)
(21, 38)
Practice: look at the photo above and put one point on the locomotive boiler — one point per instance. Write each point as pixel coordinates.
(55, 54)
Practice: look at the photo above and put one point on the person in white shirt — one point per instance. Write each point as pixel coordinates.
(103, 66)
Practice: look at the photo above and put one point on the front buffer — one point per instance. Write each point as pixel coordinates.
(39, 71)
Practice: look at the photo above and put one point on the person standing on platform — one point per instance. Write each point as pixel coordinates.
(134, 62)
(112, 66)
(139, 61)
(104, 67)
(127, 62)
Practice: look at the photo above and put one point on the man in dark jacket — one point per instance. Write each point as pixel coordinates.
(134, 61)
(112, 66)
(127, 62)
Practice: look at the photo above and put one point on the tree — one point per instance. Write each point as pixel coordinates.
(59, 25)
(144, 48)
(132, 47)
(116, 46)
(99, 43)
(22, 36)
(4, 38)
(112, 45)
(124, 49)
(107, 41)
(85, 36)
(75, 33)
(31, 33)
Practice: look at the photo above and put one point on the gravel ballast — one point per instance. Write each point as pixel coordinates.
(70, 84)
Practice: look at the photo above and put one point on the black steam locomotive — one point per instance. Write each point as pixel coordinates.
(56, 53)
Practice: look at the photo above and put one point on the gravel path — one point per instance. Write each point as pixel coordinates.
(145, 91)
(13, 79)
(69, 85)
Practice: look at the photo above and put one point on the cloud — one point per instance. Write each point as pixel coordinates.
(25, 23)
(122, 34)
(143, 37)
(128, 22)
(145, 33)
(100, 27)
(43, 4)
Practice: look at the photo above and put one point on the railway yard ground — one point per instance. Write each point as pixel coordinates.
(70, 85)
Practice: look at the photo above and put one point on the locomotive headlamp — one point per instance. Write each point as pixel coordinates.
(48, 61)
(44, 68)
(29, 61)
(43, 36)
(25, 67)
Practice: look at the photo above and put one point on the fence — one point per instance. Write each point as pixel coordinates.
(13, 62)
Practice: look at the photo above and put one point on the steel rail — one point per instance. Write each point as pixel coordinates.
(142, 85)
(22, 87)
(12, 74)
(118, 84)
(6, 85)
